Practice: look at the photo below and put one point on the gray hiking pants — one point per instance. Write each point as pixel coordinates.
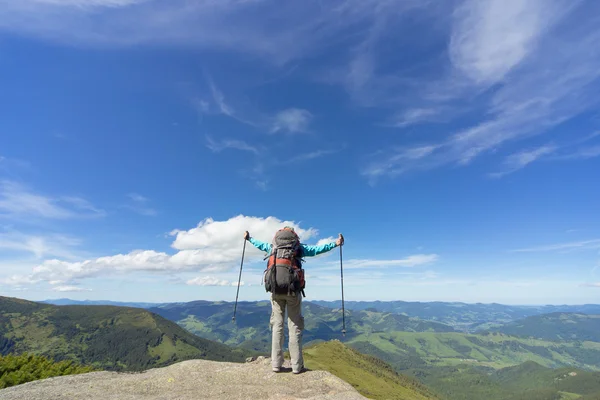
(279, 302)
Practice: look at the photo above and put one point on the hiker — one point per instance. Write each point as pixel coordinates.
(285, 281)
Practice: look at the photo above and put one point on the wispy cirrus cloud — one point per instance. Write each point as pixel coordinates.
(313, 154)
(581, 245)
(217, 146)
(411, 261)
(139, 205)
(219, 100)
(413, 116)
(70, 289)
(401, 161)
(291, 120)
(521, 67)
(211, 281)
(582, 153)
(513, 26)
(39, 246)
(277, 31)
(17, 200)
(511, 47)
(521, 159)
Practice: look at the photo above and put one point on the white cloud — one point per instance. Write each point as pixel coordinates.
(581, 245)
(39, 245)
(70, 289)
(519, 160)
(219, 99)
(19, 280)
(213, 246)
(399, 162)
(138, 198)
(221, 235)
(218, 146)
(18, 201)
(312, 155)
(408, 262)
(82, 204)
(597, 284)
(211, 281)
(492, 37)
(326, 240)
(139, 205)
(414, 116)
(580, 154)
(292, 120)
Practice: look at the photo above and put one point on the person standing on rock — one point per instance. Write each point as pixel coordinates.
(284, 278)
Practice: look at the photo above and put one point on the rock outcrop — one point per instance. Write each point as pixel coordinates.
(193, 379)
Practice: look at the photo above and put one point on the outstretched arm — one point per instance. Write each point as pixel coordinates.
(266, 247)
(311, 251)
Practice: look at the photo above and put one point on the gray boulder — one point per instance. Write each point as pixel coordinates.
(193, 379)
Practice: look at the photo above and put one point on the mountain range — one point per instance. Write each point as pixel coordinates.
(512, 360)
(464, 317)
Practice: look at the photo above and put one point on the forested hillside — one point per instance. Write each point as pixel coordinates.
(106, 337)
(409, 350)
(15, 370)
(556, 326)
(527, 381)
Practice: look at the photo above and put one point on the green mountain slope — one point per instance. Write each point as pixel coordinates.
(106, 337)
(556, 326)
(212, 320)
(370, 376)
(527, 381)
(531, 375)
(405, 350)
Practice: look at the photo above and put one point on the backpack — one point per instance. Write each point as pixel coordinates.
(284, 273)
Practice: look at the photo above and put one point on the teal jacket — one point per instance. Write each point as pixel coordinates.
(308, 251)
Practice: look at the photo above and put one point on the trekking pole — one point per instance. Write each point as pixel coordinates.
(342, 278)
(239, 280)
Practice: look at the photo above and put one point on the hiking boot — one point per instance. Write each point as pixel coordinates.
(276, 369)
(301, 370)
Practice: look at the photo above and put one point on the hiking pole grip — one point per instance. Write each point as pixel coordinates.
(239, 280)
(342, 280)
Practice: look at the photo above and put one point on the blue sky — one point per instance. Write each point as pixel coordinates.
(455, 144)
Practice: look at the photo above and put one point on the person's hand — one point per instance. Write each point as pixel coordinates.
(246, 235)
(340, 240)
